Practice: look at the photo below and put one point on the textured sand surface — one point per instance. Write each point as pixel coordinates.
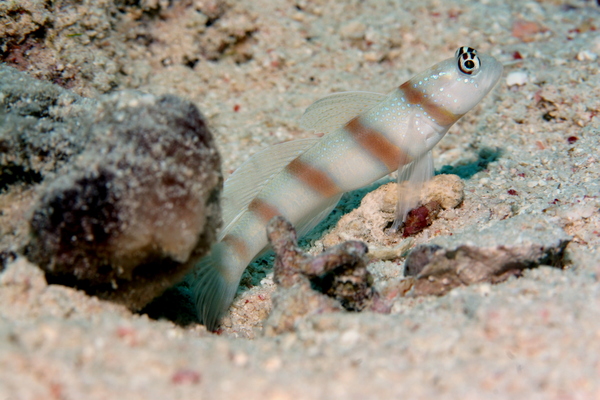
(252, 67)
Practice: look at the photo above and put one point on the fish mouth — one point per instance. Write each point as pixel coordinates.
(493, 69)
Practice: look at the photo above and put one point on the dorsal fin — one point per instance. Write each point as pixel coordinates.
(332, 112)
(245, 183)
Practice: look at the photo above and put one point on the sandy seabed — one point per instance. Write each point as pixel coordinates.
(252, 67)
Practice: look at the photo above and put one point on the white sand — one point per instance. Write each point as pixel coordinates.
(533, 337)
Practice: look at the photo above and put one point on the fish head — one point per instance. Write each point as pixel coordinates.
(458, 84)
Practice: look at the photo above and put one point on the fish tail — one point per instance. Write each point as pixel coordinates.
(212, 291)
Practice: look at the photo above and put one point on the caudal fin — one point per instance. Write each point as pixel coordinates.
(212, 292)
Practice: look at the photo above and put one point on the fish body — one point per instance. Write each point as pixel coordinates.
(367, 136)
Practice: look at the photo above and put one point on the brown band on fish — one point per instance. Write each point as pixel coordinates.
(237, 244)
(439, 113)
(314, 178)
(378, 145)
(263, 209)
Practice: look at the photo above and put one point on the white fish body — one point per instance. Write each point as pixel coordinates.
(368, 135)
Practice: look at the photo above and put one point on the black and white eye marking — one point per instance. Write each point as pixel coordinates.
(464, 49)
(469, 63)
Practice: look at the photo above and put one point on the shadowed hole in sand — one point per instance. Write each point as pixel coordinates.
(466, 169)
(11, 174)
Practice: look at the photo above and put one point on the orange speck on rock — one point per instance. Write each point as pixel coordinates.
(128, 335)
(185, 376)
(526, 30)
(56, 390)
(454, 13)
(123, 331)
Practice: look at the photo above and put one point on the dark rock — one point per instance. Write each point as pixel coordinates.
(130, 190)
(340, 272)
(420, 218)
(492, 255)
(42, 127)
(331, 281)
(419, 258)
(6, 257)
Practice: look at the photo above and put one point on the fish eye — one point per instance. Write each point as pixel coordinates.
(468, 62)
(464, 49)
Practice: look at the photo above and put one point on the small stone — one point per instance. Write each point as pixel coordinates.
(526, 31)
(517, 78)
(339, 272)
(419, 259)
(354, 30)
(445, 189)
(240, 359)
(586, 55)
(491, 255)
(334, 280)
(273, 364)
(420, 218)
(371, 221)
(185, 376)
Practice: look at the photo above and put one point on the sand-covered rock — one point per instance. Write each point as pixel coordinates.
(314, 284)
(128, 186)
(493, 254)
(529, 149)
(372, 220)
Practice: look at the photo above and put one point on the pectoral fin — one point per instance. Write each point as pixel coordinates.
(411, 179)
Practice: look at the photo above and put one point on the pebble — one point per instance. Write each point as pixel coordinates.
(586, 55)
(517, 78)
